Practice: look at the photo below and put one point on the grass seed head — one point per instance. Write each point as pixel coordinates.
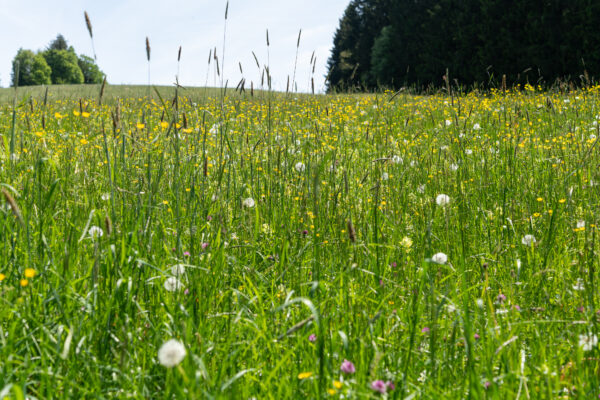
(88, 23)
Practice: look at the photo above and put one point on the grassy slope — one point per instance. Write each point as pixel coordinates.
(500, 318)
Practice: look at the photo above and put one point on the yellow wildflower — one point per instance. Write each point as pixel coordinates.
(304, 375)
(29, 273)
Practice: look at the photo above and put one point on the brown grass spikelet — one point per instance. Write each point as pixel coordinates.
(351, 231)
(102, 90)
(107, 225)
(88, 23)
(13, 205)
(148, 48)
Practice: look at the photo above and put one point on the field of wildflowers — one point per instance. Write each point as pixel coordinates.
(202, 244)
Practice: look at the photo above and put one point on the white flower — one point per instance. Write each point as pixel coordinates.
(453, 167)
(178, 270)
(95, 232)
(105, 197)
(406, 243)
(468, 152)
(588, 342)
(442, 200)
(479, 303)
(171, 353)
(448, 122)
(444, 148)
(300, 167)
(476, 127)
(385, 176)
(397, 159)
(580, 224)
(528, 240)
(439, 258)
(579, 285)
(249, 202)
(421, 188)
(172, 284)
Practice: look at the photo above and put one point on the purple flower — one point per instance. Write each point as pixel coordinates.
(186, 253)
(581, 309)
(487, 385)
(517, 307)
(347, 367)
(476, 336)
(312, 338)
(305, 232)
(204, 246)
(186, 291)
(379, 386)
(390, 385)
(501, 298)
(425, 329)
(209, 218)
(394, 265)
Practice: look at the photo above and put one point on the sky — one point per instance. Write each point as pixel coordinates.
(120, 28)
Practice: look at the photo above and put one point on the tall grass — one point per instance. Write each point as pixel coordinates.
(276, 236)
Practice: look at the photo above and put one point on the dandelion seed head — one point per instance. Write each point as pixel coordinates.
(171, 353)
(442, 200)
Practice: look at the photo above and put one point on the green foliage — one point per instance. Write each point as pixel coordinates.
(64, 65)
(350, 61)
(33, 69)
(414, 42)
(60, 43)
(89, 68)
(57, 64)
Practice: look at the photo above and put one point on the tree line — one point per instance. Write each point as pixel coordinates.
(394, 43)
(57, 64)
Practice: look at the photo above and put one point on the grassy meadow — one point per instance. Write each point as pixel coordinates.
(298, 246)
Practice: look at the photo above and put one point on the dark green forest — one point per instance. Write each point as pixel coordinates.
(396, 43)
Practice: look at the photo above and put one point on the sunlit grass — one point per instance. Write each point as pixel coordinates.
(278, 236)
